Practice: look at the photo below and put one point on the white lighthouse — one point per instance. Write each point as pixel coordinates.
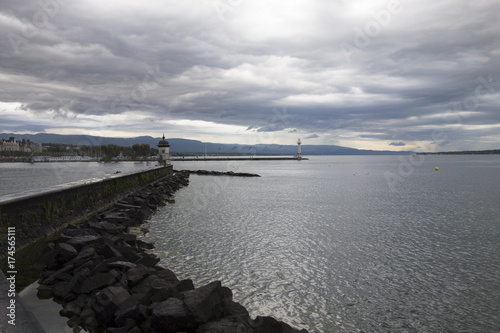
(164, 151)
(299, 154)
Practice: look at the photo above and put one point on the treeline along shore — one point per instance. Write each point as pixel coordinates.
(465, 152)
(107, 281)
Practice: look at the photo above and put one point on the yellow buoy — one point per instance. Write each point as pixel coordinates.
(436, 168)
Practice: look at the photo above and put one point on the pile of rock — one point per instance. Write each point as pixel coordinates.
(107, 281)
(221, 173)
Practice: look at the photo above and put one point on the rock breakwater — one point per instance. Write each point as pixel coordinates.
(220, 173)
(108, 282)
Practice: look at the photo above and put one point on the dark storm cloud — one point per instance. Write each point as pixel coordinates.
(274, 67)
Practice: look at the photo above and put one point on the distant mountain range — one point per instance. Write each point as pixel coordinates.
(195, 146)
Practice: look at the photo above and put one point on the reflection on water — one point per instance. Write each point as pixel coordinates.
(18, 177)
(327, 245)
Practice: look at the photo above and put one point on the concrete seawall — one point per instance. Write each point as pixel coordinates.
(39, 213)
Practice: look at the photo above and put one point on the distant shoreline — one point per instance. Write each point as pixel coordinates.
(469, 152)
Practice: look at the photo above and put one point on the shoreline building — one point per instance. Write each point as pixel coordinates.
(26, 146)
(164, 152)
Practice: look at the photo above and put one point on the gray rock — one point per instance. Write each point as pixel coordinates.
(45, 292)
(122, 265)
(127, 206)
(129, 325)
(185, 285)
(86, 313)
(144, 245)
(82, 300)
(70, 309)
(271, 325)
(62, 291)
(136, 274)
(129, 308)
(117, 217)
(167, 275)
(129, 253)
(164, 294)
(106, 302)
(76, 283)
(81, 241)
(225, 325)
(148, 260)
(152, 284)
(101, 264)
(107, 227)
(234, 309)
(128, 238)
(170, 315)
(205, 303)
(66, 252)
(72, 231)
(55, 277)
(85, 254)
(97, 281)
(89, 264)
(110, 252)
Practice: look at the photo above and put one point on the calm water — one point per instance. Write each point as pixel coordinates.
(18, 177)
(337, 243)
(344, 244)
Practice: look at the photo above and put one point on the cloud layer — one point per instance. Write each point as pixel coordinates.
(367, 74)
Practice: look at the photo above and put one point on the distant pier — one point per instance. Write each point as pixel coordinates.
(233, 158)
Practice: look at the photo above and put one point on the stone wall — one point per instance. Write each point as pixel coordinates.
(36, 214)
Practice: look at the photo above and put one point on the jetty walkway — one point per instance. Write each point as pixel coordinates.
(231, 158)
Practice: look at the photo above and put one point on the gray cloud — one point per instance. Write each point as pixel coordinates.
(418, 75)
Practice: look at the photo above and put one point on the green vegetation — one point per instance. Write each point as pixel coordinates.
(5, 220)
(141, 150)
(50, 210)
(14, 153)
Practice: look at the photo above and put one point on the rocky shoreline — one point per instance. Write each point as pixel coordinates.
(108, 282)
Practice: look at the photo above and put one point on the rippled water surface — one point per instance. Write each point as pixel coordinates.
(332, 244)
(18, 177)
(341, 244)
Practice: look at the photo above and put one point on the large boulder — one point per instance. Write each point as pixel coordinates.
(136, 274)
(129, 308)
(80, 241)
(225, 325)
(97, 281)
(106, 302)
(66, 252)
(171, 316)
(205, 303)
(271, 325)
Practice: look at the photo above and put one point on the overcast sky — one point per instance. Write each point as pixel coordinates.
(399, 75)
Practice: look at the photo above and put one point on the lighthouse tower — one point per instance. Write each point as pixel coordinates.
(164, 151)
(299, 154)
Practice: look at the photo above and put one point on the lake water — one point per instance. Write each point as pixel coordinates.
(340, 243)
(17, 177)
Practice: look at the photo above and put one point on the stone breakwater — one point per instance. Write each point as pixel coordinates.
(220, 173)
(108, 282)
